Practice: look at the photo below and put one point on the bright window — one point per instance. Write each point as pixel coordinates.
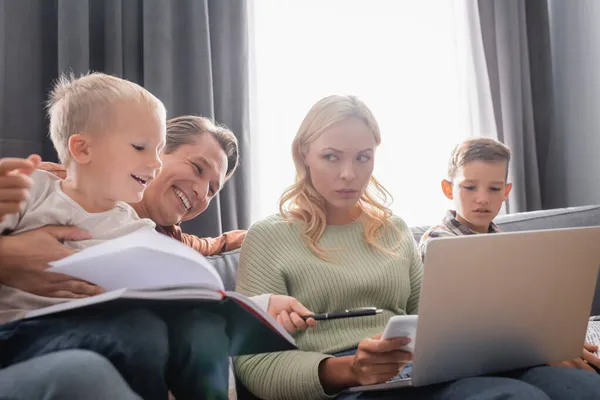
(398, 56)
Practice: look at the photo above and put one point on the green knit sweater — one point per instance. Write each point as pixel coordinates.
(274, 259)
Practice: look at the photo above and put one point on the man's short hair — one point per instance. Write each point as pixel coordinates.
(186, 128)
(87, 104)
(477, 149)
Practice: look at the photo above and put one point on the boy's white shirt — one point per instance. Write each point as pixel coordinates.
(49, 205)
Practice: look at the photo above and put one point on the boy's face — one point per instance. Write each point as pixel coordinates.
(124, 156)
(478, 191)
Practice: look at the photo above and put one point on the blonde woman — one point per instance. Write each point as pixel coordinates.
(335, 246)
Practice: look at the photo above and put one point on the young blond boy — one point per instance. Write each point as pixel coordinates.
(109, 133)
(477, 184)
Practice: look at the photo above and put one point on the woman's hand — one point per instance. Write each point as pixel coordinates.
(376, 361)
(288, 311)
(24, 259)
(587, 359)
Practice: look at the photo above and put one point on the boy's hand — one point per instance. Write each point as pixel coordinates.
(288, 312)
(587, 359)
(15, 183)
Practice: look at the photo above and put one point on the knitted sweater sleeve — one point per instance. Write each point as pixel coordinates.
(416, 277)
(416, 265)
(287, 375)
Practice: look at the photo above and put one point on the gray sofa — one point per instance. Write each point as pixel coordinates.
(227, 264)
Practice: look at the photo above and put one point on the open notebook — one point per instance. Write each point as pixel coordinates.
(592, 334)
(149, 269)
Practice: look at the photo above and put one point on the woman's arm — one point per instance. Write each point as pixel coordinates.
(409, 246)
(416, 277)
(287, 375)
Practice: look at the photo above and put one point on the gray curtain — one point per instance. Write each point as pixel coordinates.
(513, 73)
(192, 54)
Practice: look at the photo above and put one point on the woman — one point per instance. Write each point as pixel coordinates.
(334, 246)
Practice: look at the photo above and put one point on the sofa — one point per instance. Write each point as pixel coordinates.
(227, 264)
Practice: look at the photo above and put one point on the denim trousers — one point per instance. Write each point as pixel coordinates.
(181, 350)
(68, 374)
(537, 383)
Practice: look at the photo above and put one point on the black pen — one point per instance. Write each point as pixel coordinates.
(355, 312)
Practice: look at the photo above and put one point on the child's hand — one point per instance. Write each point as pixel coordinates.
(287, 310)
(15, 182)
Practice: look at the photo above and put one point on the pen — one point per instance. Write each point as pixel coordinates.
(355, 312)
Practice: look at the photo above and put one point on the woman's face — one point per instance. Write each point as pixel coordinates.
(190, 178)
(340, 163)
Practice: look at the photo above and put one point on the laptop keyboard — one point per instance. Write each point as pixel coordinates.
(406, 373)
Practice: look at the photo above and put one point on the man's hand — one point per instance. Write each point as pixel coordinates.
(48, 284)
(586, 360)
(288, 312)
(15, 183)
(24, 259)
(36, 248)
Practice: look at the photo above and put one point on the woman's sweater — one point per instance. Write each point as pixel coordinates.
(275, 259)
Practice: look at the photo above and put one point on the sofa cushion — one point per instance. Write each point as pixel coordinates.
(226, 265)
(571, 217)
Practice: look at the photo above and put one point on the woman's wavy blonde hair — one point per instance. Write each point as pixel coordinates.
(302, 202)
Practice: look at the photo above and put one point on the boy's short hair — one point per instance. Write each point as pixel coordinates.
(477, 149)
(77, 105)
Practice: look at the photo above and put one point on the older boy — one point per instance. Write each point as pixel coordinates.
(477, 185)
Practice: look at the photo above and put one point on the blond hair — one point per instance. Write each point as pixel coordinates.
(477, 149)
(86, 104)
(302, 202)
(184, 130)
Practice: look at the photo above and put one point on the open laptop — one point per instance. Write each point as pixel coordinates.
(492, 303)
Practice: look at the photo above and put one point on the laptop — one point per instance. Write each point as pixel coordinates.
(498, 302)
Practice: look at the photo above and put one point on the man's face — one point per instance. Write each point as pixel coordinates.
(191, 177)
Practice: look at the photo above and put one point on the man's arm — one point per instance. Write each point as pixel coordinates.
(214, 246)
(53, 168)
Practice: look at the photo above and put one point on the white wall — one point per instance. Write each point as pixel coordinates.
(575, 38)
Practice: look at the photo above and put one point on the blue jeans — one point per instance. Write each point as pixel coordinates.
(538, 383)
(69, 374)
(185, 351)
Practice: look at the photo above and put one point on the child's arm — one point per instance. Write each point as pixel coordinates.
(15, 185)
(435, 232)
